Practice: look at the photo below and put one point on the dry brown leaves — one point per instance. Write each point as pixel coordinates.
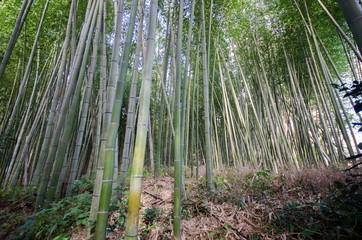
(252, 219)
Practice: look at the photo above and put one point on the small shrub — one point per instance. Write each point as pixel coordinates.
(337, 217)
(121, 208)
(59, 220)
(83, 185)
(15, 205)
(343, 211)
(151, 215)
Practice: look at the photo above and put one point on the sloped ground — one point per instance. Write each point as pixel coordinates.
(246, 204)
(15, 207)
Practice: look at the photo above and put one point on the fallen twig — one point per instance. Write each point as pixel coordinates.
(227, 225)
(353, 167)
(154, 196)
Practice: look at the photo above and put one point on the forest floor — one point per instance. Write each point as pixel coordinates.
(246, 204)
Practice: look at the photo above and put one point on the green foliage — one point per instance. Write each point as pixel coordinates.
(58, 221)
(189, 208)
(163, 171)
(53, 29)
(84, 184)
(343, 211)
(256, 184)
(151, 218)
(337, 218)
(297, 214)
(257, 181)
(120, 221)
(15, 205)
(151, 215)
(16, 194)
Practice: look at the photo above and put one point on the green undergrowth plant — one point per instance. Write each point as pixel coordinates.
(16, 194)
(163, 171)
(338, 216)
(59, 221)
(15, 205)
(343, 210)
(83, 185)
(233, 187)
(258, 180)
(224, 191)
(152, 218)
(190, 207)
(118, 221)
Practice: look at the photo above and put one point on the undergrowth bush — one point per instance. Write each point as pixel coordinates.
(16, 194)
(83, 185)
(118, 221)
(15, 203)
(309, 204)
(59, 221)
(339, 216)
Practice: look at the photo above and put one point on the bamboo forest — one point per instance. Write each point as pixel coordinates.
(189, 119)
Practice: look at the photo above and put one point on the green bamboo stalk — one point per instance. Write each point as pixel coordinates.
(245, 131)
(184, 95)
(102, 100)
(163, 96)
(187, 130)
(24, 124)
(85, 103)
(177, 139)
(20, 20)
(192, 147)
(109, 102)
(150, 145)
(340, 30)
(352, 11)
(26, 76)
(138, 160)
(102, 214)
(197, 130)
(332, 153)
(258, 120)
(68, 123)
(37, 142)
(5, 116)
(56, 96)
(132, 102)
(209, 37)
(114, 194)
(71, 89)
(35, 122)
(302, 108)
(206, 104)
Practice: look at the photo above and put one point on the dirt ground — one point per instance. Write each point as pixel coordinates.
(238, 209)
(245, 204)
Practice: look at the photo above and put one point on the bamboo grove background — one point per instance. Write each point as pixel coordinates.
(107, 88)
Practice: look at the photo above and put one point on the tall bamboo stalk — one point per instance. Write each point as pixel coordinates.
(66, 101)
(206, 103)
(106, 189)
(52, 113)
(108, 107)
(177, 139)
(26, 76)
(141, 136)
(132, 101)
(163, 96)
(20, 20)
